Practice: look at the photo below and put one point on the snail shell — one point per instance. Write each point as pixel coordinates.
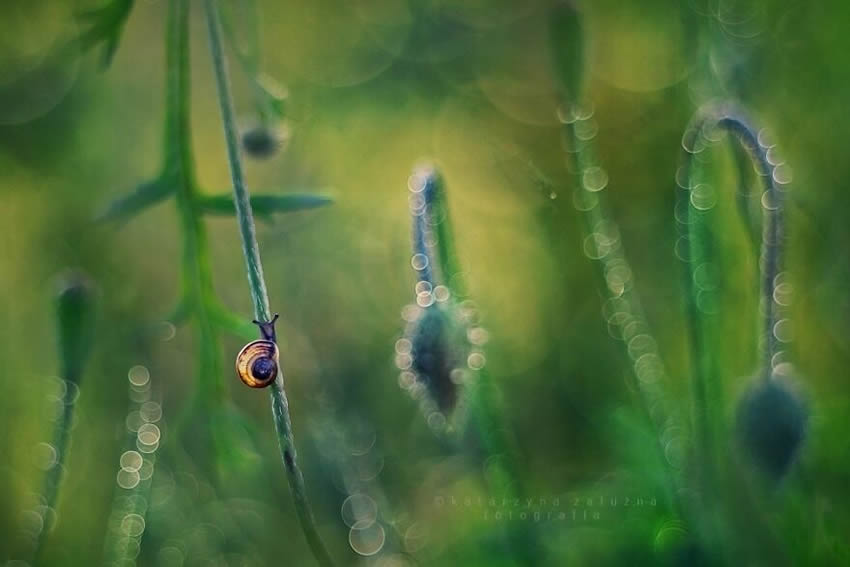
(257, 363)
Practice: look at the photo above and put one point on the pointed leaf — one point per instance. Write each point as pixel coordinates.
(106, 26)
(266, 205)
(144, 196)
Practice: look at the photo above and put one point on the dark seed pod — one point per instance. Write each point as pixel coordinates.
(434, 356)
(75, 311)
(772, 424)
(257, 363)
(261, 142)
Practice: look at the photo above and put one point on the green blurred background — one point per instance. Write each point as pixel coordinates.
(374, 88)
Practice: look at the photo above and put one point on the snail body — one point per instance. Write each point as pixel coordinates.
(257, 363)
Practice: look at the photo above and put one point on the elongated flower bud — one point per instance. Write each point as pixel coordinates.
(772, 420)
(440, 349)
(75, 312)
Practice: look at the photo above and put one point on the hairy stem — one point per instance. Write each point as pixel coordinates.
(250, 249)
(692, 216)
(433, 238)
(623, 309)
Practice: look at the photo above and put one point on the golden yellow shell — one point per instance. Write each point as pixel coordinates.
(257, 363)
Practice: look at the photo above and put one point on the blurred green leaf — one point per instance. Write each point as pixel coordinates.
(144, 196)
(231, 322)
(265, 205)
(107, 23)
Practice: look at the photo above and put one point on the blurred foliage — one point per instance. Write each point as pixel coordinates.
(371, 89)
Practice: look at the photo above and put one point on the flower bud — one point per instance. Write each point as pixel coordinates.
(772, 422)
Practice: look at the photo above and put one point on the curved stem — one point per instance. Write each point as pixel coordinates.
(727, 117)
(250, 249)
(692, 214)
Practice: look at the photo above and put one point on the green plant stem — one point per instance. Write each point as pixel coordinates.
(241, 198)
(250, 249)
(484, 415)
(694, 226)
(604, 245)
(179, 171)
(53, 478)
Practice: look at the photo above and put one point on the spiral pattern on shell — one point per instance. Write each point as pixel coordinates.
(257, 363)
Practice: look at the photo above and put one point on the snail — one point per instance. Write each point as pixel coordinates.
(257, 363)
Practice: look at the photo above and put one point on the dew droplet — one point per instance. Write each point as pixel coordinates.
(46, 456)
(477, 335)
(584, 200)
(583, 111)
(765, 139)
(131, 461)
(458, 376)
(595, 178)
(138, 376)
(586, 130)
(406, 379)
(150, 412)
(425, 299)
(783, 331)
(149, 434)
(419, 261)
(403, 361)
(675, 451)
(640, 345)
(564, 114)
(133, 525)
(772, 156)
(683, 177)
(648, 368)
(166, 331)
(367, 541)
(441, 293)
(703, 197)
(436, 420)
(782, 294)
(416, 202)
(134, 421)
(692, 141)
(403, 346)
(411, 313)
(359, 508)
(476, 361)
(617, 277)
(782, 174)
(127, 479)
(146, 470)
(705, 276)
(769, 201)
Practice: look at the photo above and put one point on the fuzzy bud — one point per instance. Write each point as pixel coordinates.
(772, 421)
